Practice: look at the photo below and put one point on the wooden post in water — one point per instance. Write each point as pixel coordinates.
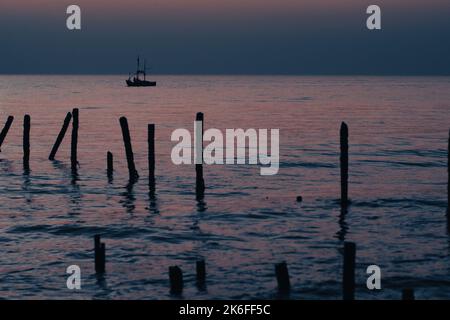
(151, 157)
(199, 180)
(5, 130)
(348, 284)
(109, 164)
(282, 274)
(408, 294)
(60, 137)
(26, 142)
(74, 143)
(128, 149)
(201, 273)
(344, 164)
(99, 255)
(176, 280)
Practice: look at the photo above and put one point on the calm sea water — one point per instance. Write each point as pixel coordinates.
(398, 151)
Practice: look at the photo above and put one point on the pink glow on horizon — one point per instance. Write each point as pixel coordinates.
(202, 7)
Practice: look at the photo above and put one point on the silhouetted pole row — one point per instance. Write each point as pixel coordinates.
(282, 274)
(408, 294)
(151, 157)
(26, 142)
(348, 282)
(109, 164)
(74, 142)
(60, 137)
(199, 181)
(99, 255)
(344, 164)
(176, 280)
(5, 130)
(128, 149)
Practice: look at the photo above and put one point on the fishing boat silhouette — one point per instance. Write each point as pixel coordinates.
(134, 79)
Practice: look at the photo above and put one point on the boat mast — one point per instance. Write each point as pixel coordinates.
(137, 70)
(145, 60)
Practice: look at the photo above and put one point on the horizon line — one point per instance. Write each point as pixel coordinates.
(240, 74)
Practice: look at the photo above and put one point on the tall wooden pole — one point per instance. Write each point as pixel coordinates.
(60, 137)
(200, 182)
(344, 164)
(5, 130)
(151, 157)
(74, 142)
(128, 149)
(26, 142)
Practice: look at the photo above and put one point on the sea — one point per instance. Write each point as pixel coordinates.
(246, 222)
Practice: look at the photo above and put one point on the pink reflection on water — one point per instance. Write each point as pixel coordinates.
(398, 131)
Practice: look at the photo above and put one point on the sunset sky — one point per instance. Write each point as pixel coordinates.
(231, 37)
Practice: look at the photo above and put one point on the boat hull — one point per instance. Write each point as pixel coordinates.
(141, 83)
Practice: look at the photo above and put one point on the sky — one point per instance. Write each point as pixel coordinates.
(226, 37)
